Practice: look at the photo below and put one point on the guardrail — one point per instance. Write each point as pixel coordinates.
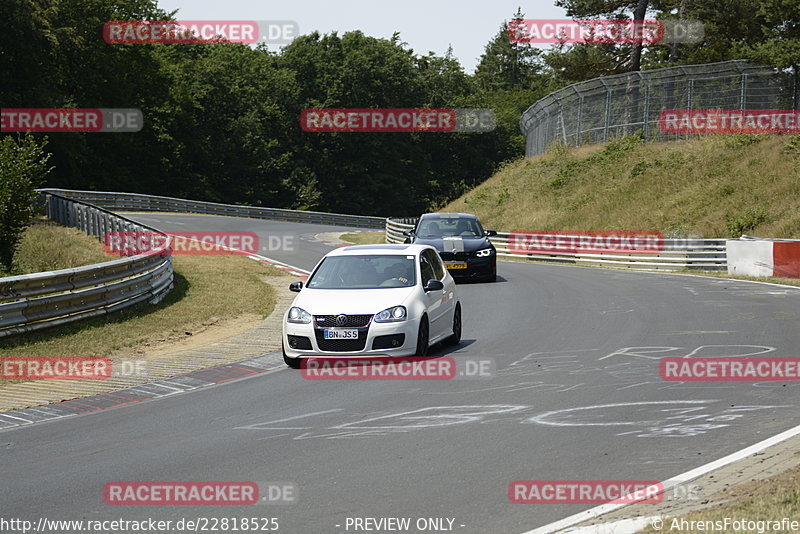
(139, 202)
(677, 253)
(37, 301)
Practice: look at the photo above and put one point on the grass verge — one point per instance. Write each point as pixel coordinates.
(720, 185)
(38, 251)
(364, 238)
(752, 501)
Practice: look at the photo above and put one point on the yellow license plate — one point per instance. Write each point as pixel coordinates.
(455, 265)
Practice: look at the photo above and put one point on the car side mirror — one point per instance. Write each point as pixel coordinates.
(490, 233)
(434, 285)
(296, 286)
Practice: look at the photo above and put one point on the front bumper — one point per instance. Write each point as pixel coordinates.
(311, 336)
(477, 268)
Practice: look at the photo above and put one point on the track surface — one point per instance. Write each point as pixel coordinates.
(576, 396)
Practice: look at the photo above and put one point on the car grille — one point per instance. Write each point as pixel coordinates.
(453, 256)
(341, 345)
(351, 321)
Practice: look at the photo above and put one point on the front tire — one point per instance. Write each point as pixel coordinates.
(422, 337)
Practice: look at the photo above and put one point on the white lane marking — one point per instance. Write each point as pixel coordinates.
(15, 417)
(677, 480)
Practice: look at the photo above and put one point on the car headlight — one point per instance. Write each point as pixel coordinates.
(485, 252)
(298, 315)
(391, 315)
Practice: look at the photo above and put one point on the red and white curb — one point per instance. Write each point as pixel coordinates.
(291, 269)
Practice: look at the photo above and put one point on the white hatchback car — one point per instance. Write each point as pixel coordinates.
(372, 300)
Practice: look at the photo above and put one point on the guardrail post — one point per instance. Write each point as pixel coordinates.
(646, 111)
(579, 121)
(607, 115)
(743, 93)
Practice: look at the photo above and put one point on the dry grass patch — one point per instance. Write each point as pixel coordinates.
(364, 238)
(769, 500)
(47, 246)
(719, 185)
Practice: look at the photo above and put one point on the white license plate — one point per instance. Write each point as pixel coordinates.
(341, 334)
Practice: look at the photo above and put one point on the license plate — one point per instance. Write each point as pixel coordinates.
(455, 265)
(341, 334)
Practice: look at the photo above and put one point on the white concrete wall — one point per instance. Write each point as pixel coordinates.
(750, 257)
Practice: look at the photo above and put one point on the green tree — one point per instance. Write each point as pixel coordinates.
(23, 167)
(506, 64)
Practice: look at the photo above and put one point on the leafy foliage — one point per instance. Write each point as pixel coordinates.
(23, 166)
(222, 121)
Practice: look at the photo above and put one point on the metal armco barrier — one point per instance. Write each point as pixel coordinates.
(36, 301)
(677, 254)
(138, 202)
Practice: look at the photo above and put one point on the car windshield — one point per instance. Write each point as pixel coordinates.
(364, 272)
(450, 227)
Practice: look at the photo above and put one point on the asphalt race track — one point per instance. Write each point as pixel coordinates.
(576, 395)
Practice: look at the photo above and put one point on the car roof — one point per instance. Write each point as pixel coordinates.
(448, 216)
(378, 250)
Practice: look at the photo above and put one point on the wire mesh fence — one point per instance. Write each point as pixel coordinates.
(604, 108)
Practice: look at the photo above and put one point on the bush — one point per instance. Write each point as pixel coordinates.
(746, 221)
(23, 167)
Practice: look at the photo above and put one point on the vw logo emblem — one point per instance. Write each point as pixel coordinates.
(341, 320)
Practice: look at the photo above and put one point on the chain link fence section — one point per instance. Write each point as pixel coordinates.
(609, 107)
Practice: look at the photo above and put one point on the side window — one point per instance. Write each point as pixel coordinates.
(426, 268)
(436, 263)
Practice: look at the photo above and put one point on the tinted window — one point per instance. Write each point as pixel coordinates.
(449, 227)
(436, 263)
(426, 268)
